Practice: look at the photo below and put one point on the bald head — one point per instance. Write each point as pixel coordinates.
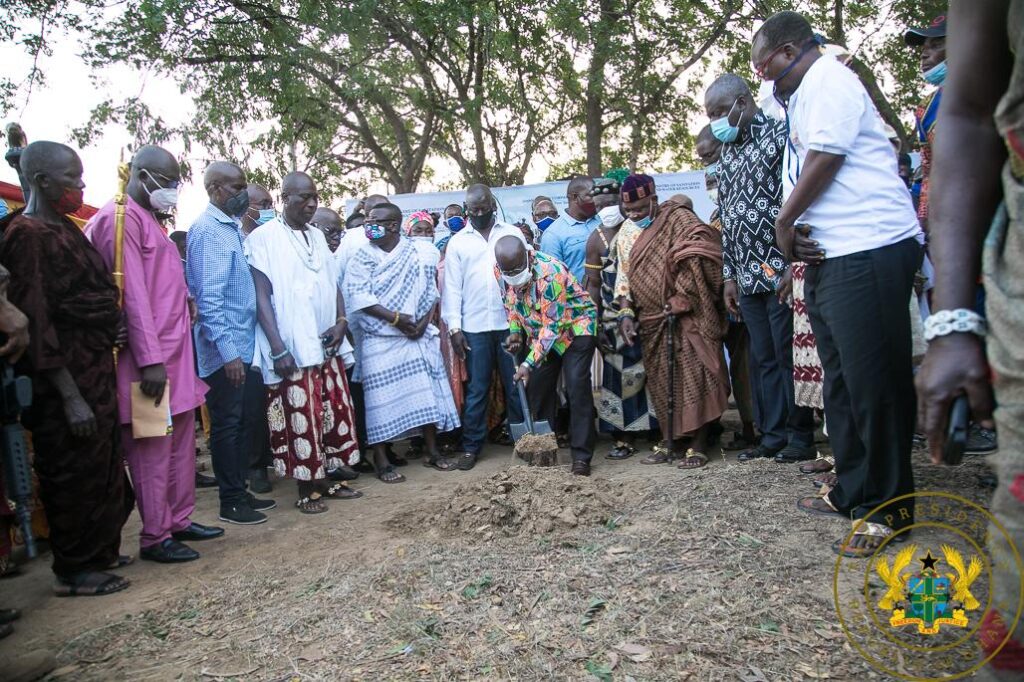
(299, 199)
(328, 222)
(480, 206)
(581, 203)
(54, 174)
(709, 148)
(153, 168)
(226, 187)
(260, 209)
(510, 253)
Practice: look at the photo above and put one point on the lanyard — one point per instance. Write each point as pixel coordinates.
(793, 154)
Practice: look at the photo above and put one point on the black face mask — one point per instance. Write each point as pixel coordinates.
(481, 222)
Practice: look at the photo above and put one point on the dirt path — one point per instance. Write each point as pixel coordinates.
(643, 573)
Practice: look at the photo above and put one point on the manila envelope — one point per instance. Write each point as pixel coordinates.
(149, 420)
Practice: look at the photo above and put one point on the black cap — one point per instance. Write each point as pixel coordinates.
(917, 36)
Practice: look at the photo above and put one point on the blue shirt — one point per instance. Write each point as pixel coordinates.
(566, 240)
(220, 282)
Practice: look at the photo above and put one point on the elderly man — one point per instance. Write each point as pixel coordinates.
(302, 328)
(848, 215)
(219, 279)
(544, 212)
(158, 357)
(674, 298)
(392, 293)
(329, 222)
(59, 281)
(551, 314)
(566, 238)
(477, 321)
(261, 209)
(758, 280)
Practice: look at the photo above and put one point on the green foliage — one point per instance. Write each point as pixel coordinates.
(359, 90)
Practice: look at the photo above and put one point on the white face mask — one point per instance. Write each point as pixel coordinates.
(163, 200)
(713, 195)
(610, 216)
(519, 279)
(423, 238)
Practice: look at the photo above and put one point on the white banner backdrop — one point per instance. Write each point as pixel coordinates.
(514, 202)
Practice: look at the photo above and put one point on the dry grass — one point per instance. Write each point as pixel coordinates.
(705, 575)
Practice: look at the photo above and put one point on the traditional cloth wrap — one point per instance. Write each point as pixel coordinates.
(637, 186)
(417, 217)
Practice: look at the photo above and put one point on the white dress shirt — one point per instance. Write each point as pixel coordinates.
(866, 206)
(351, 241)
(471, 300)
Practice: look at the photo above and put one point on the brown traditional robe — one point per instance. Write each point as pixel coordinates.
(61, 284)
(678, 261)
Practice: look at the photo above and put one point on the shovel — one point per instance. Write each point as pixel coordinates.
(528, 426)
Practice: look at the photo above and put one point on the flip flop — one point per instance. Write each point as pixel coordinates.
(804, 505)
(311, 505)
(122, 561)
(440, 464)
(867, 529)
(340, 491)
(390, 470)
(690, 455)
(818, 466)
(659, 455)
(81, 586)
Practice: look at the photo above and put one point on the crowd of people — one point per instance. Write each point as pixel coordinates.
(313, 345)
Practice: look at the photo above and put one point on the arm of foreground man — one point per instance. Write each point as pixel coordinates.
(283, 366)
(819, 170)
(966, 189)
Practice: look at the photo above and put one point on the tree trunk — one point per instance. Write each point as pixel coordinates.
(595, 85)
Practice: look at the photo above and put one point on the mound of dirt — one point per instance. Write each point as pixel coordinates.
(522, 501)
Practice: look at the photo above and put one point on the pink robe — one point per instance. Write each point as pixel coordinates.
(155, 306)
(159, 331)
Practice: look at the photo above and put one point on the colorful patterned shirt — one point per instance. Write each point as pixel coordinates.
(554, 310)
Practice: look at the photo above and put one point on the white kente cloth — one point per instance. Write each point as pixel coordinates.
(404, 382)
(304, 276)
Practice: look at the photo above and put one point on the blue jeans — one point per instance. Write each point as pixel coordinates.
(484, 354)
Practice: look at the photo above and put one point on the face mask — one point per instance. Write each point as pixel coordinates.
(545, 223)
(937, 74)
(481, 222)
(161, 199)
(266, 215)
(424, 239)
(455, 223)
(610, 216)
(69, 201)
(711, 170)
(721, 128)
(373, 231)
(518, 280)
(238, 204)
(713, 195)
(644, 222)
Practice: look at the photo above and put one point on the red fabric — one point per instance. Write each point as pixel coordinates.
(993, 633)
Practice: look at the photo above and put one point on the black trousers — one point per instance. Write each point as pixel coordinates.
(770, 325)
(257, 437)
(542, 394)
(236, 413)
(859, 310)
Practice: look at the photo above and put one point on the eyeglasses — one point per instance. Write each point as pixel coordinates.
(167, 183)
(518, 269)
(759, 67)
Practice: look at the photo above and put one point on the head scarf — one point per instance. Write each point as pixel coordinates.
(417, 217)
(637, 186)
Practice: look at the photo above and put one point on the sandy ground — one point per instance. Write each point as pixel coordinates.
(642, 573)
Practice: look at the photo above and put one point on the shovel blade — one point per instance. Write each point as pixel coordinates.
(519, 430)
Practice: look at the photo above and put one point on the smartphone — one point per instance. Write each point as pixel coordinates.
(956, 436)
(326, 341)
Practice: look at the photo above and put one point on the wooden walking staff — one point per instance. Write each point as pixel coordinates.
(670, 346)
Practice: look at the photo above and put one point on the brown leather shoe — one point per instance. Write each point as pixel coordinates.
(580, 468)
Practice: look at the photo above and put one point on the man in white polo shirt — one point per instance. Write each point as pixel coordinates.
(472, 307)
(847, 214)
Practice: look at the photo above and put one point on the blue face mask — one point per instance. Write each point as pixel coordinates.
(722, 129)
(937, 74)
(266, 215)
(711, 171)
(374, 231)
(455, 223)
(545, 223)
(643, 222)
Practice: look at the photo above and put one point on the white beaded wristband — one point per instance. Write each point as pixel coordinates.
(959, 321)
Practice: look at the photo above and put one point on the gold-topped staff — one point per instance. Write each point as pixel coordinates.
(119, 204)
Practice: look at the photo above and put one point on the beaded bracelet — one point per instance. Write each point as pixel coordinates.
(627, 312)
(394, 323)
(280, 355)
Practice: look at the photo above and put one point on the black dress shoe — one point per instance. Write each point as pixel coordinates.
(204, 481)
(580, 468)
(760, 452)
(343, 473)
(197, 531)
(169, 552)
(794, 453)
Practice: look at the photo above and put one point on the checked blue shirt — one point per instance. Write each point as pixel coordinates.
(219, 279)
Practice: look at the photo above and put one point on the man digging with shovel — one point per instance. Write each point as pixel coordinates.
(551, 312)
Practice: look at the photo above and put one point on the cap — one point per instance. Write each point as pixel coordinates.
(917, 36)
